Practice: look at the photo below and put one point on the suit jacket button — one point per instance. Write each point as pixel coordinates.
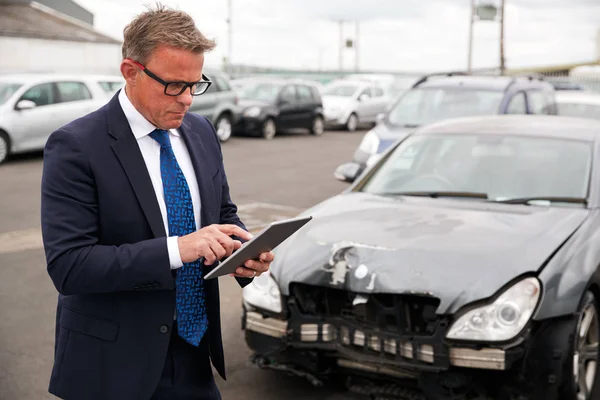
(164, 329)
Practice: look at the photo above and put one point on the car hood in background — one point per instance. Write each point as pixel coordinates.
(330, 102)
(459, 251)
(245, 103)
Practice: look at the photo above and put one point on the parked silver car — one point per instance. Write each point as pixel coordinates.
(32, 106)
(219, 104)
(348, 103)
(576, 103)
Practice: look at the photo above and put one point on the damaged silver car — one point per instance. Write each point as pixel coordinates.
(464, 263)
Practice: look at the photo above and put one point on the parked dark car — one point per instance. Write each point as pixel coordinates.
(219, 104)
(465, 262)
(436, 97)
(270, 106)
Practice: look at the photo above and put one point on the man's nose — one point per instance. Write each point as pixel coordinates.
(185, 98)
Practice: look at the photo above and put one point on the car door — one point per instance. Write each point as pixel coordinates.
(206, 104)
(379, 103)
(363, 104)
(32, 126)
(306, 106)
(287, 103)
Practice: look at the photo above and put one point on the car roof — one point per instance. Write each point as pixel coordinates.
(488, 82)
(577, 96)
(33, 78)
(551, 126)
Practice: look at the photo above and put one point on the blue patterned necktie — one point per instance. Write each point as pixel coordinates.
(192, 320)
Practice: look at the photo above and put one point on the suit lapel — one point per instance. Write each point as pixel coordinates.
(201, 168)
(130, 157)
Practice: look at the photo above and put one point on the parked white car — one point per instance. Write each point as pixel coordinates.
(348, 103)
(577, 103)
(32, 106)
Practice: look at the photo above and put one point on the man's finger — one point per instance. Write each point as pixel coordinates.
(230, 229)
(267, 257)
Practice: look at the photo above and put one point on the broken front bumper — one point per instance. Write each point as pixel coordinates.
(370, 350)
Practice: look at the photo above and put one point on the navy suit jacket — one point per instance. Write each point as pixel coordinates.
(106, 253)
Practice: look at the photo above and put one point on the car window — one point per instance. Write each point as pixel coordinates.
(425, 105)
(222, 83)
(538, 102)
(501, 166)
(377, 92)
(41, 95)
(579, 110)
(110, 87)
(517, 105)
(366, 91)
(340, 89)
(72, 91)
(7, 90)
(305, 94)
(288, 94)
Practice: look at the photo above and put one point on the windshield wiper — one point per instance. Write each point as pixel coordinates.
(528, 200)
(410, 125)
(471, 195)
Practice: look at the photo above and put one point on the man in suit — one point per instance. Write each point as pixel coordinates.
(135, 209)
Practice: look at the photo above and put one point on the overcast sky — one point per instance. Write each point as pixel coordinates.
(398, 35)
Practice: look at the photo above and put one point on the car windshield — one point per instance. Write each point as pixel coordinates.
(422, 106)
(7, 89)
(579, 110)
(493, 167)
(264, 91)
(340, 89)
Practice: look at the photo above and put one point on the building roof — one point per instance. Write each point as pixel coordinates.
(34, 20)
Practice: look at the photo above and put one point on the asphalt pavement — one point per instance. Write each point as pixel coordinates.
(268, 180)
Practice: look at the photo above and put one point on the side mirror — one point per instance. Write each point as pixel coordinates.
(380, 117)
(25, 105)
(364, 97)
(347, 172)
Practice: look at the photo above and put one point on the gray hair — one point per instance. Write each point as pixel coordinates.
(162, 26)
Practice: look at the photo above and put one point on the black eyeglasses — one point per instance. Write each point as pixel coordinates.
(175, 88)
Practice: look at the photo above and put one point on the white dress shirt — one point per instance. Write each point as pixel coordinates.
(150, 149)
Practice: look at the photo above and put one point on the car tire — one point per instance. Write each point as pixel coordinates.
(318, 126)
(4, 146)
(352, 122)
(269, 129)
(224, 127)
(581, 379)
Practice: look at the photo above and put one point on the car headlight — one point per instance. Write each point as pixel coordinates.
(252, 111)
(370, 143)
(263, 293)
(501, 320)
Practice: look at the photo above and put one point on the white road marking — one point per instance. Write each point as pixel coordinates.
(254, 215)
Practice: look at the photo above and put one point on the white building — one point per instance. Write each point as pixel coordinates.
(53, 36)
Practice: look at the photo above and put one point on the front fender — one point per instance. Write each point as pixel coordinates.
(572, 270)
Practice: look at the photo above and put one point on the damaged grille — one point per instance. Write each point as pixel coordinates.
(399, 313)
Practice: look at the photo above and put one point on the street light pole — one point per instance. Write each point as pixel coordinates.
(356, 41)
(502, 60)
(341, 55)
(229, 36)
(470, 55)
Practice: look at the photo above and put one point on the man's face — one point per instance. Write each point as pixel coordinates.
(148, 95)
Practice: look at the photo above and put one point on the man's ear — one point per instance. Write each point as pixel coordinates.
(130, 72)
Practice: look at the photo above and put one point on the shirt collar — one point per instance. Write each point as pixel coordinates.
(140, 126)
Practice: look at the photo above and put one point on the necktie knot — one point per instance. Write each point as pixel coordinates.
(162, 137)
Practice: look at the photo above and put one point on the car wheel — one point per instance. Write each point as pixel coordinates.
(224, 127)
(269, 129)
(583, 382)
(318, 126)
(352, 123)
(4, 146)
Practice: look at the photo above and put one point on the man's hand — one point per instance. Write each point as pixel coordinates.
(253, 268)
(212, 242)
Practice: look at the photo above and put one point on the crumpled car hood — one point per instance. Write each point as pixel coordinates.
(458, 251)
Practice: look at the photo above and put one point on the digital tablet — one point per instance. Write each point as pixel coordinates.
(269, 238)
